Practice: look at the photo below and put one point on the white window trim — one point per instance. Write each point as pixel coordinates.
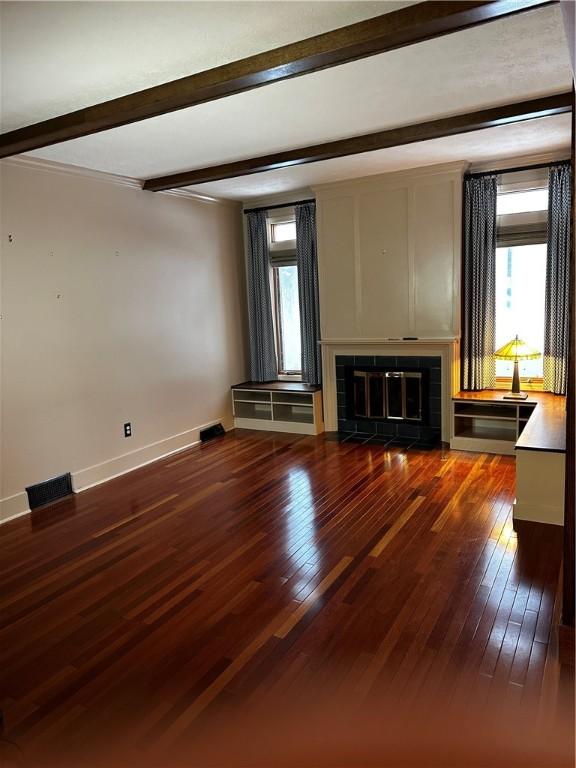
(522, 181)
(285, 216)
(288, 248)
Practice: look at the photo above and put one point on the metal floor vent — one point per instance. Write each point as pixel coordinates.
(211, 432)
(50, 490)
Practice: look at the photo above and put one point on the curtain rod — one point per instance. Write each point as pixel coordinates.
(500, 171)
(280, 205)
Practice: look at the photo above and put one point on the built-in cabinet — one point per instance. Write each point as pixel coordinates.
(488, 426)
(278, 406)
(534, 430)
(389, 255)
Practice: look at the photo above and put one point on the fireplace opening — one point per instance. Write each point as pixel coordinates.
(394, 398)
(387, 395)
(393, 395)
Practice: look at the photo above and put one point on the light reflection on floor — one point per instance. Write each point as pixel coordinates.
(301, 532)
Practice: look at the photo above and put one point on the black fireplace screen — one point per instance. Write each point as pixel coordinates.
(388, 395)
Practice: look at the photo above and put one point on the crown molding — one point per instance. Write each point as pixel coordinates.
(51, 166)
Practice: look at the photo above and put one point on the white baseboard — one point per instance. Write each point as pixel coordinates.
(17, 505)
(120, 465)
(13, 506)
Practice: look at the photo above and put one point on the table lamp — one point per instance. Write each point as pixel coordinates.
(516, 350)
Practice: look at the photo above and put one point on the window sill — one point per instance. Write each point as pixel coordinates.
(532, 385)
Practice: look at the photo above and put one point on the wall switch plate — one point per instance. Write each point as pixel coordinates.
(127, 429)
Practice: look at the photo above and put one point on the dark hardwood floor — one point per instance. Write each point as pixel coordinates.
(271, 599)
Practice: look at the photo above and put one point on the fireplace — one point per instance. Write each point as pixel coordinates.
(390, 399)
(387, 395)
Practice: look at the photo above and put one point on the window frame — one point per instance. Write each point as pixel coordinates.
(523, 181)
(529, 383)
(283, 251)
(286, 247)
(278, 325)
(278, 222)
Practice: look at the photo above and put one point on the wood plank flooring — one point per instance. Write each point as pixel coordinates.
(270, 599)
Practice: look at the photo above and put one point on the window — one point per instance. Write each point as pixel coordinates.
(287, 318)
(282, 244)
(520, 280)
(283, 231)
(522, 201)
(521, 271)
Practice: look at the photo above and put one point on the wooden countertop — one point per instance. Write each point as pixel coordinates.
(278, 386)
(546, 427)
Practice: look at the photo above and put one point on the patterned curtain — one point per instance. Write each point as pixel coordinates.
(263, 365)
(308, 292)
(557, 279)
(479, 280)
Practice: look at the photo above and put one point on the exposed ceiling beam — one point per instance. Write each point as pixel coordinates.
(397, 29)
(393, 137)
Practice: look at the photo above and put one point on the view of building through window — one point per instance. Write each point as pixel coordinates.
(520, 281)
(288, 319)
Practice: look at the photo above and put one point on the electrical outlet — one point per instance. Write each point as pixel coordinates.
(127, 429)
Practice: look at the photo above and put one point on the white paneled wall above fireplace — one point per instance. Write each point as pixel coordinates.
(389, 255)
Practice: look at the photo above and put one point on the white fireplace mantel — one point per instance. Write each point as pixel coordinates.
(406, 340)
(447, 348)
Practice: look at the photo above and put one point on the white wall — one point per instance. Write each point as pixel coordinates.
(117, 305)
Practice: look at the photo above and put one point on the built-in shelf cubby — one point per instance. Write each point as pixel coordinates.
(252, 410)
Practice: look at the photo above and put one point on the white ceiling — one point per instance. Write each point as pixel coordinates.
(493, 144)
(62, 56)
(57, 57)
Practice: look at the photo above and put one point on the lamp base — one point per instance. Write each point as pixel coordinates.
(516, 396)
